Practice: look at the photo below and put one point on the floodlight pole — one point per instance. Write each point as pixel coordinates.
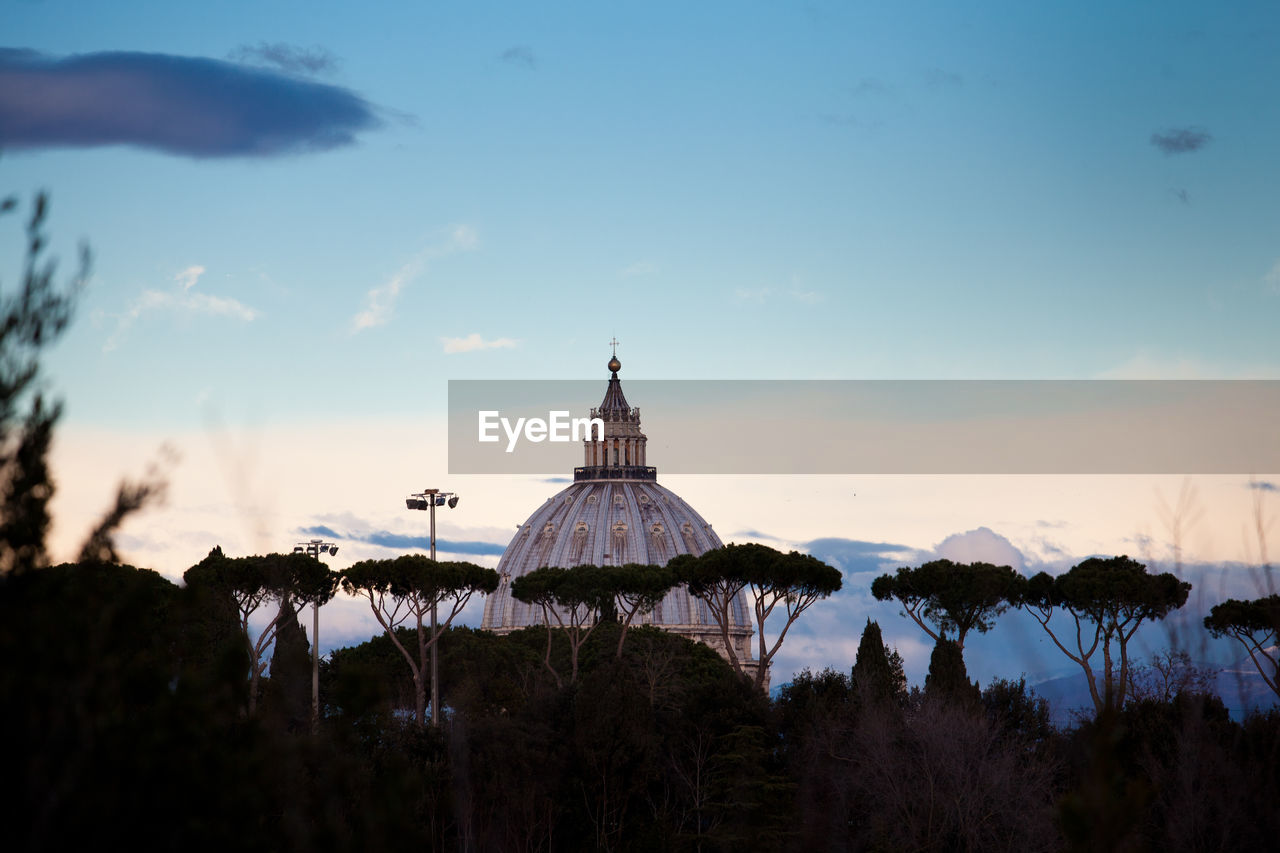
(315, 548)
(431, 497)
(435, 642)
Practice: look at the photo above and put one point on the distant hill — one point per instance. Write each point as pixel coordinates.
(1239, 684)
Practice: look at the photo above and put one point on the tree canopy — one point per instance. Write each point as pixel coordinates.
(1114, 596)
(253, 583)
(414, 586)
(954, 597)
(572, 598)
(793, 580)
(638, 588)
(1256, 626)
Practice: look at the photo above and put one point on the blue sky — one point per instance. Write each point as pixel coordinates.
(321, 212)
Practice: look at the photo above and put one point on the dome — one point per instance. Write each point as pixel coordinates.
(608, 524)
(614, 513)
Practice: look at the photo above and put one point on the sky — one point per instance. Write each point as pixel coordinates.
(305, 218)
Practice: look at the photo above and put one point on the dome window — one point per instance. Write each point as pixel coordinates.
(591, 499)
(549, 527)
(657, 529)
(581, 528)
(619, 527)
(618, 499)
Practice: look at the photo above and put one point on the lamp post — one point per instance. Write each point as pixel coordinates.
(429, 499)
(315, 548)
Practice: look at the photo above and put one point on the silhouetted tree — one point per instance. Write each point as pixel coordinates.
(947, 678)
(877, 670)
(407, 588)
(639, 588)
(1255, 625)
(1168, 674)
(572, 599)
(287, 698)
(955, 597)
(1107, 600)
(256, 582)
(794, 580)
(31, 319)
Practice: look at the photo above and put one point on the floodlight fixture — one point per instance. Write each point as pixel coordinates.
(453, 502)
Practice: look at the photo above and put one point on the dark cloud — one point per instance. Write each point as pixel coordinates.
(1181, 140)
(1264, 486)
(1182, 195)
(520, 55)
(556, 480)
(193, 107)
(286, 57)
(853, 556)
(386, 539)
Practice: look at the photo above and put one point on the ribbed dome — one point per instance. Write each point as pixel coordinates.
(608, 523)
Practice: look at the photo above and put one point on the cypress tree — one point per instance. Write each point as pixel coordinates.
(947, 678)
(873, 677)
(288, 693)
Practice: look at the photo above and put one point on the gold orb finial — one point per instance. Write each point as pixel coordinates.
(614, 364)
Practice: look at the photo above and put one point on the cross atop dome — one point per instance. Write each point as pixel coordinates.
(614, 364)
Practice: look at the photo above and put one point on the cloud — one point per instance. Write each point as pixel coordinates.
(1182, 195)
(519, 55)
(187, 278)
(556, 480)
(181, 300)
(1263, 486)
(981, 545)
(189, 106)
(386, 539)
(854, 556)
(286, 57)
(473, 342)
(1180, 140)
(380, 300)
(754, 534)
